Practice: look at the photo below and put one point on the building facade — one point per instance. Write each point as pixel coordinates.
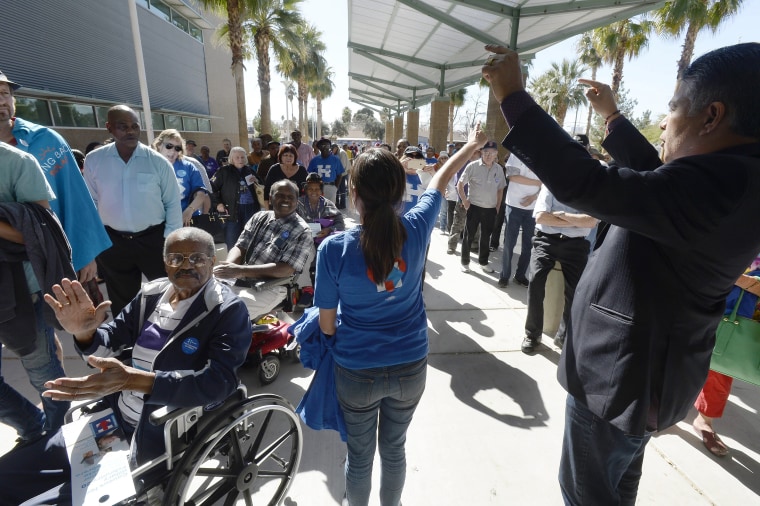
(76, 59)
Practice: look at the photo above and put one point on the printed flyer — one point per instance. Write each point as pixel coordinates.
(99, 457)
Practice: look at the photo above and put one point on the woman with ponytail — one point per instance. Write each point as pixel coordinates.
(369, 294)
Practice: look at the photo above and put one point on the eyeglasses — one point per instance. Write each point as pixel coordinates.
(177, 147)
(194, 259)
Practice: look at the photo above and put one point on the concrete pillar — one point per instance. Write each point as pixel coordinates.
(413, 126)
(554, 300)
(389, 131)
(439, 122)
(496, 126)
(398, 131)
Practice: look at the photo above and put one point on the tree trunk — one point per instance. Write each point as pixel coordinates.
(617, 70)
(303, 125)
(590, 109)
(261, 40)
(236, 48)
(319, 116)
(688, 48)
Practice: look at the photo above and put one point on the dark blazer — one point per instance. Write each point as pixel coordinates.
(647, 305)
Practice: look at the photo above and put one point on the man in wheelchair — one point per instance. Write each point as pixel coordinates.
(188, 334)
(274, 244)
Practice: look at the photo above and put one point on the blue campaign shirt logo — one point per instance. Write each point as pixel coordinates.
(190, 345)
(181, 173)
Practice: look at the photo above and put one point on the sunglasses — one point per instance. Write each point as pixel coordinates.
(175, 147)
(194, 259)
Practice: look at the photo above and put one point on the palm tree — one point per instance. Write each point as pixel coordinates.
(557, 89)
(271, 24)
(299, 62)
(620, 39)
(692, 16)
(588, 56)
(321, 87)
(234, 34)
(456, 99)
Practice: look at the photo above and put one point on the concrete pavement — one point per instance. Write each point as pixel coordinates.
(489, 428)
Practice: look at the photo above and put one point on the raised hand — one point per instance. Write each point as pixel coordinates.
(601, 98)
(502, 71)
(74, 308)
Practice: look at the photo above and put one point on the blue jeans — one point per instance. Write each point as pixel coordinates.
(393, 393)
(41, 365)
(232, 229)
(600, 464)
(516, 219)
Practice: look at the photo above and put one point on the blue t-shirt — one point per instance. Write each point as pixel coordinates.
(189, 180)
(381, 324)
(414, 191)
(328, 168)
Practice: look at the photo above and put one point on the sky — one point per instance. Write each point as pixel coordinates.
(650, 78)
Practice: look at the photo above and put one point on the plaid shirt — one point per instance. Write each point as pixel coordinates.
(266, 239)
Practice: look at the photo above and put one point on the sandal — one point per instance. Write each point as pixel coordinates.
(713, 443)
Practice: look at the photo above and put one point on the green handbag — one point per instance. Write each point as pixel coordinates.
(737, 347)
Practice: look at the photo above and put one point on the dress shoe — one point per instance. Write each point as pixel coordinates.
(530, 344)
(503, 283)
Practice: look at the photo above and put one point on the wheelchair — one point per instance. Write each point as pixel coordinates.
(246, 451)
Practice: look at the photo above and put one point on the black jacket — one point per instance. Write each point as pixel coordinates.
(226, 188)
(647, 306)
(47, 249)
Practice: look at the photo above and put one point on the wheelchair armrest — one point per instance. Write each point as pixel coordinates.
(264, 284)
(165, 413)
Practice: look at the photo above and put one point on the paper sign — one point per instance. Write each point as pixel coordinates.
(99, 457)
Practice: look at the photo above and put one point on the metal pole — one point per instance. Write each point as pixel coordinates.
(141, 70)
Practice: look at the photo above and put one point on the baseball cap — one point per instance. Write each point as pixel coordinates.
(323, 140)
(491, 145)
(413, 152)
(4, 79)
(273, 143)
(444, 154)
(191, 143)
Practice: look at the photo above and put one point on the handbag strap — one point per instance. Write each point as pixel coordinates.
(736, 307)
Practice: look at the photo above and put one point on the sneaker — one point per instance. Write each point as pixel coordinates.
(487, 269)
(492, 248)
(521, 281)
(530, 344)
(465, 267)
(450, 251)
(503, 283)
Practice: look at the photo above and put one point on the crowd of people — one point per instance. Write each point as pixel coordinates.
(662, 227)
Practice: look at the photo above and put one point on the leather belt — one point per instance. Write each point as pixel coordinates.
(134, 235)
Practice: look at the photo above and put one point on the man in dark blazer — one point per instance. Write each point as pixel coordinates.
(649, 301)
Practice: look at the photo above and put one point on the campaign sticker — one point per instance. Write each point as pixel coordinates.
(181, 173)
(190, 345)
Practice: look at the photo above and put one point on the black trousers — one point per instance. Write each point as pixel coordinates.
(131, 255)
(498, 225)
(477, 216)
(572, 255)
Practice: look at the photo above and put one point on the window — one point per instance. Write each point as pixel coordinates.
(158, 121)
(196, 33)
(162, 10)
(73, 115)
(34, 110)
(204, 125)
(174, 121)
(180, 22)
(101, 113)
(190, 124)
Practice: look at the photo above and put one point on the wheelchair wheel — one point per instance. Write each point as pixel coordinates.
(269, 369)
(247, 455)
